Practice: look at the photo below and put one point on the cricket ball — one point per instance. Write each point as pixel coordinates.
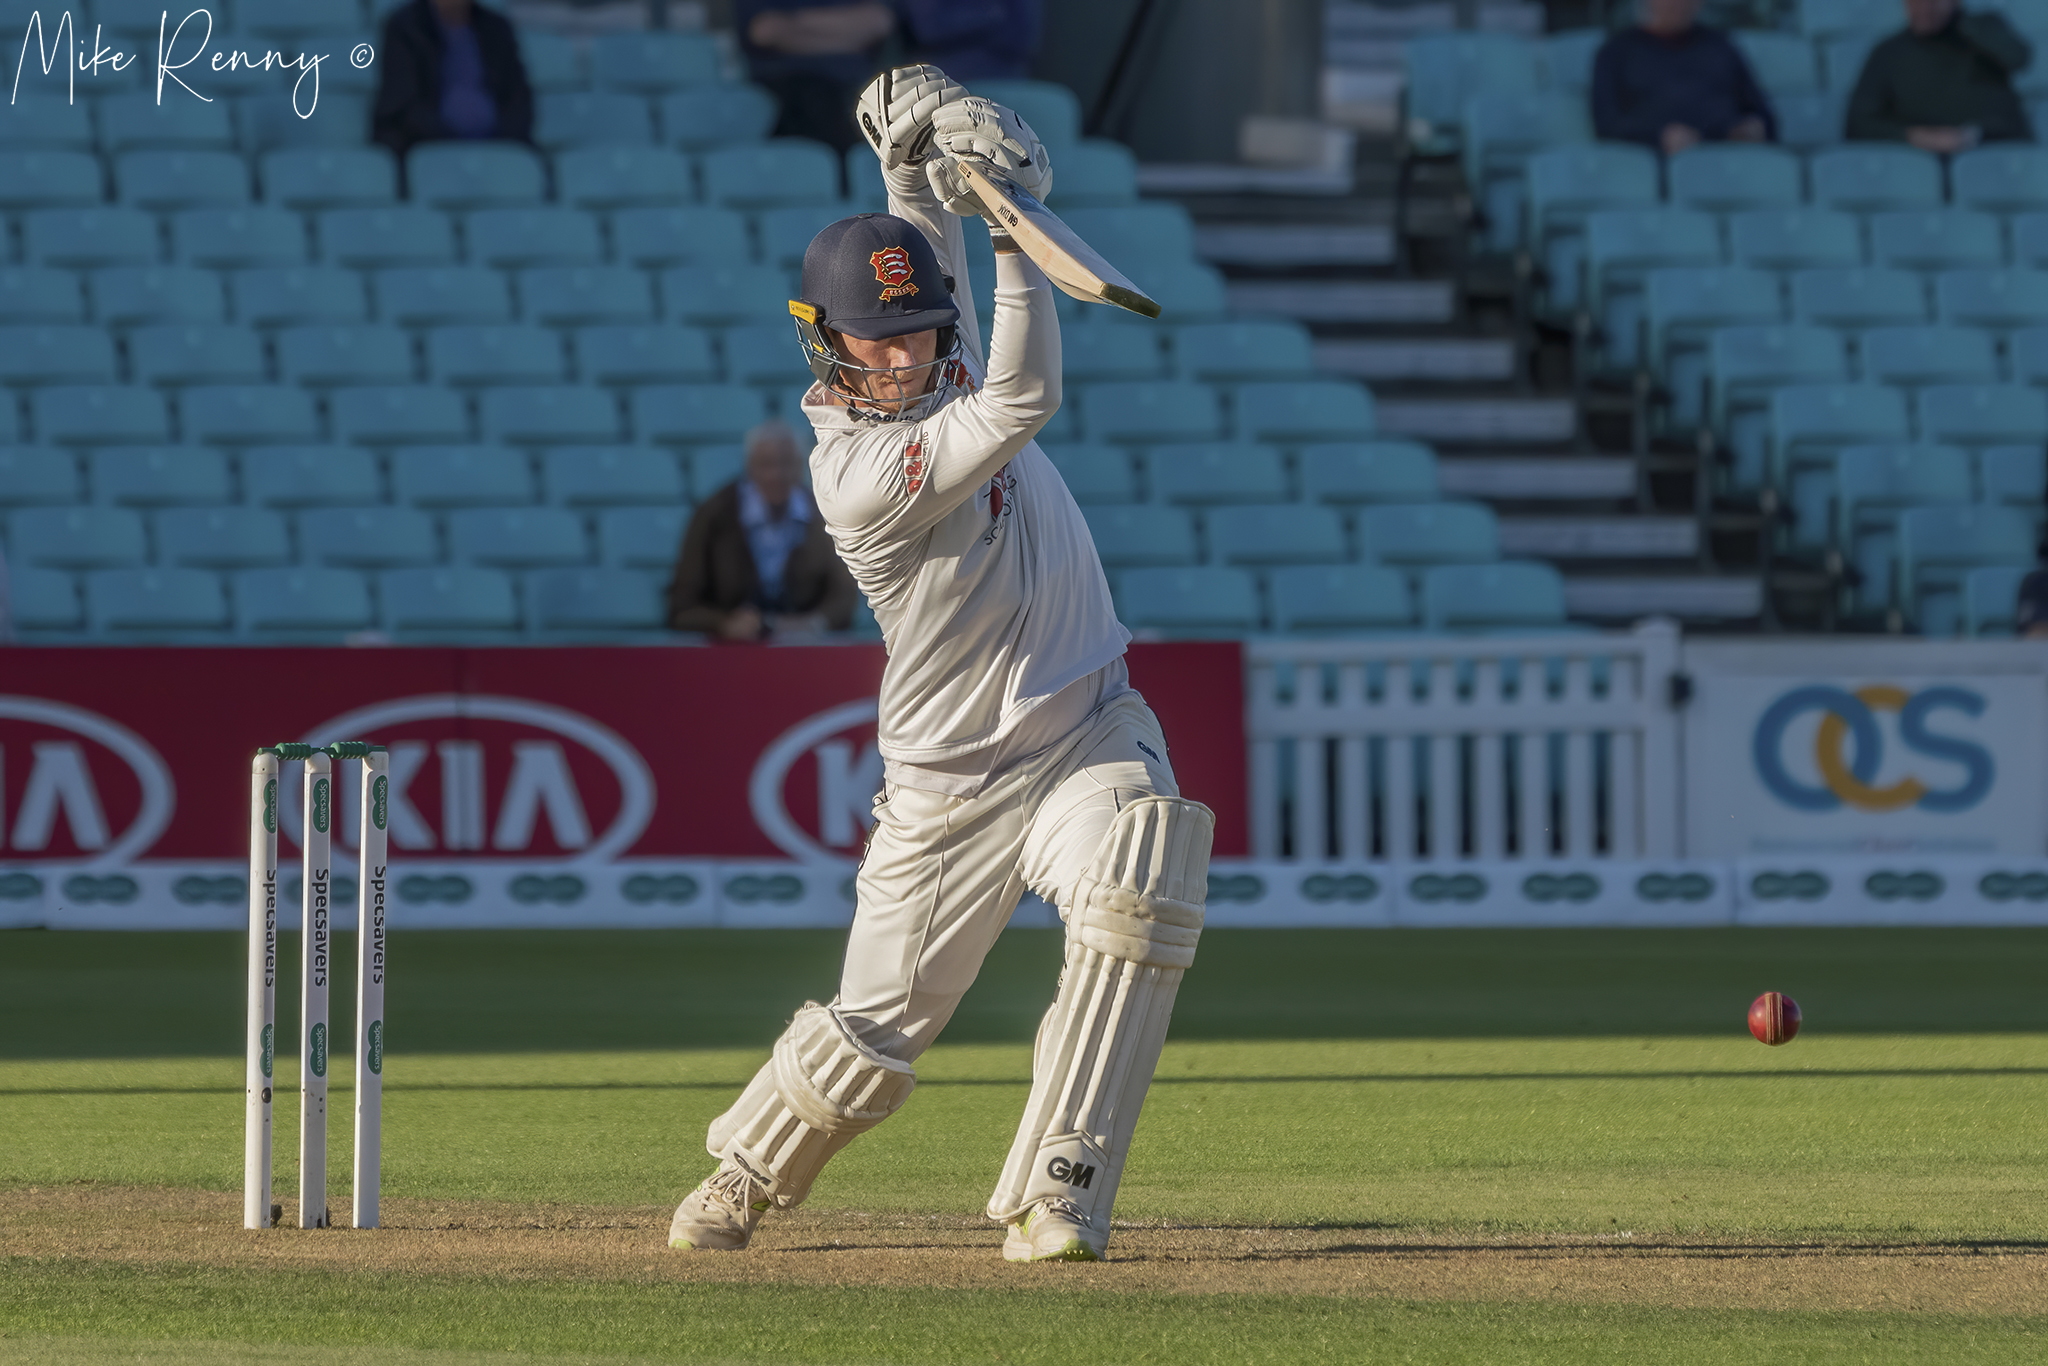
(1774, 1018)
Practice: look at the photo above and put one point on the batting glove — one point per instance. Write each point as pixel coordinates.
(895, 112)
(986, 131)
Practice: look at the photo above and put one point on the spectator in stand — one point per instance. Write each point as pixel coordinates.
(1670, 83)
(814, 55)
(450, 69)
(1944, 83)
(2030, 614)
(975, 40)
(756, 559)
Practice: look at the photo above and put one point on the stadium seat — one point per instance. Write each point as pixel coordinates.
(1938, 546)
(1873, 484)
(311, 179)
(10, 419)
(1227, 352)
(1428, 533)
(1870, 178)
(511, 238)
(1445, 68)
(298, 296)
(709, 116)
(1991, 599)
(82, 239)
(310, 476)
(131, 120)
(1280, 533)
(196, 353)
(2004, 178)
(1186, 292)
(1151, 230)
(1203, 600)
(1052, 110)
(1910, 357)
(1782, 62)
(763, 354)
(1306, 410)
(1225, 472)
(453, 600)
(603, 601)
(228, 239)
(1977, 415)
(61, 354)
(367, 537)
(694, 414)
(461, 476)
(1728, 177)
(474, 175)
(1508, 594)
(517, 538)
(1622, 247)
(268, 122)
(653, 354)
(575, 296)
(1110, 353)
(1566, 61)
(47, 123)
(1502, 130)
(1092, 172)
(711, 468)
(154, 601)
(132, 296)
(786, 232)
(766, 174)
(158, 476)
(548, 415)
(42, 603)
(865, 188)
(30, 475)
(2027, 354)
(1819, 19)
(99, 415)
(1683, 307)
(1368, 472)
(1565, 184)
(2000, 301)
(437, 296)
(553, 61)
(47, 180)
(1842, 55)
(1744, 364)
(1854, 298)
(1936, 239)
(495, 354)
(32, 294)
(398, 415)
(642, 537)
(1140, 534)
(248, 414)
(221, 538)
(1093, 473)
(707, 237)
(591, 118)
(652, 62)
(718, 296)
(604, 476)
(1809, 121)
(622, 177)
(1163, 410)
(1330, 599)
(1808, 425)
(165, 181)
(2014, 475)
(75, 537)
(362, 353)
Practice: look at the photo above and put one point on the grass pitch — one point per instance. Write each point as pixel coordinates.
(1556, 1146)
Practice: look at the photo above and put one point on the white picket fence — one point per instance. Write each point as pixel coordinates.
(1491, 748)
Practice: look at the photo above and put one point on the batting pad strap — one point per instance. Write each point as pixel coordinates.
(1140, 899)
(831, 1080)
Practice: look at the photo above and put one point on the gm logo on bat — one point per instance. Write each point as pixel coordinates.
(1848, 749)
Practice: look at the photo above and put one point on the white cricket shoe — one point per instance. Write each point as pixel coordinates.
(721, 1214)
(1053, 1231)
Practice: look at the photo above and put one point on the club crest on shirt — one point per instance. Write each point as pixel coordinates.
(913, 466)
(1002, 491)
(892, 268)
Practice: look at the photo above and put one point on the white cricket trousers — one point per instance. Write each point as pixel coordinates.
(942, 874)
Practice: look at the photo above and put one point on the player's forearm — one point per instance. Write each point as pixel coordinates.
(945, 232)
(1024, 352)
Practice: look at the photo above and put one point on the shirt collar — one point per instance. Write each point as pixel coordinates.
(754, 508)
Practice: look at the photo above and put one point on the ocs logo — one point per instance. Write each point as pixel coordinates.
(1849, 749)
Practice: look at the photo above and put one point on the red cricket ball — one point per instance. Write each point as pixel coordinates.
(1774, 1018)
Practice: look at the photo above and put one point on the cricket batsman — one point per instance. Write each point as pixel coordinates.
(1015, 752)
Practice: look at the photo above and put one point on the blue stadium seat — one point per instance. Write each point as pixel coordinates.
(1728, 177)
(2000, 301)
(602, 601)
(1053, 111)
(196, 353)
(1502, 130)
(517, 538)
(1842, 55)
(1276, 533)
(2004, 178)
(134, 119)
(1991, 599)
(228, 239)
(592, 118)
(61, 354)
(248, 414)
(99, 415)
(1809, 121)
(437, 296)
(1683, 307)
(495, 354)
(362, 353)
(47, 123)
(1567, 58)
(1873, 484)
(299, 18)
(10, 419)
(474, 175)
(1216, 472)
(310, 476)
(1782, 62)
(604, 476)
(1140, 534)
(1505, 595)
(1428, 533)
(511, 238)
(132, 296)
(576, 296)
(1094, 473)
(865, 188)
(398, 415)
(2014, 475)
(158, 476)
(1936, 239)
(1093, 172)
(32, 294)
(1369, 472)
(154, 601)
(1161, 410)
(549, 415)
(693, 414)
(1327, 599)
(1235, 351)
(75, 538)
(301, 603)
(786, 232)
(1870, 178)
(1151, 230)
(652, 62)
(85, 238)
(221, 538)
(711, 468)
(642, 537)
(1202, 600)
(669, 236)
(1446, 68)
(42, 604)
(453, 601)
(1938, 546)
(268, 122)
(461, 476)
(553, 61)
(1819, 19)
(709, 116)
(763, 354)
(1910, 357)
(763, 175)
(1808, 425)
(654, 354)
(1565, 184)
(621, 177)
(1854, 298)
(722, 295)
(1977, 415)
(298, 296)
(1622, 247)
(2027, 353)
(37, 474)
(1103, 353)
(1186, 292)
(165, 181)
(367, 537)
(312, 179)
(48, 180)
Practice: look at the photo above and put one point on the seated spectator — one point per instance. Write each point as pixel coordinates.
(1944, 84)
(990, 40)
(756, 559)
(1670, 83)
(2030, 613)
(450, 69)
(814, 55)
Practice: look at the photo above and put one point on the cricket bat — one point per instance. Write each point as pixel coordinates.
(1069, 262)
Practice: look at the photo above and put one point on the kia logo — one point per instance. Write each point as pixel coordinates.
(50, 792)
(848, 777)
